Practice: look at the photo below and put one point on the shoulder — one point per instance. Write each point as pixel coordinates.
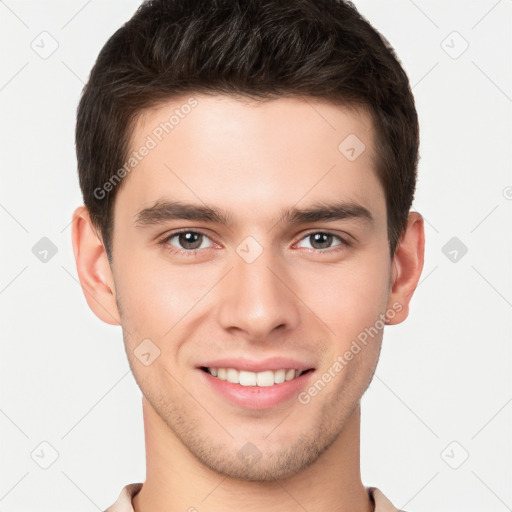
(382, 503)
(124, 501)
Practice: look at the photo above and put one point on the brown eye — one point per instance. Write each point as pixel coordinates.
(187, 241)
(321, 240)
(190, 240)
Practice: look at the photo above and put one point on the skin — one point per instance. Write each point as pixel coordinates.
(297, 299)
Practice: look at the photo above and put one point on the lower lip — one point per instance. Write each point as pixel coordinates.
(256, 397)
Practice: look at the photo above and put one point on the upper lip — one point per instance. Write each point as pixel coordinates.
(272, 363)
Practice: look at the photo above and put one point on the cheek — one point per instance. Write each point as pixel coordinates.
(155, 295)
(348, 298)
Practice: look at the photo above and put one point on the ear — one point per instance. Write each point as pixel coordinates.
(93, 268)
(407, 266)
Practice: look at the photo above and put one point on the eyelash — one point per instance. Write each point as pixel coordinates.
(192, 252)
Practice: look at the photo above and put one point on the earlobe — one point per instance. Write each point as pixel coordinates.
(407, 267)
(93, 268)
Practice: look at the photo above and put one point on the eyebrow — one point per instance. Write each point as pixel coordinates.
(163, 211)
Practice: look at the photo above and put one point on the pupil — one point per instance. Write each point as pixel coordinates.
(190, 238)
(318, 239)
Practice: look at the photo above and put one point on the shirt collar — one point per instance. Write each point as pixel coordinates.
(124, 502)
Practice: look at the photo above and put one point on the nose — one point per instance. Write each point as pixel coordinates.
(257, 298)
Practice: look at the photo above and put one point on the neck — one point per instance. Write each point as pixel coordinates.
(176, 480)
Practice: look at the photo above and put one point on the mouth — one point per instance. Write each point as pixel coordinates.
(261, 390)
(266, 378)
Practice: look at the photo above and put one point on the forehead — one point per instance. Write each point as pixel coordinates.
(247, 156)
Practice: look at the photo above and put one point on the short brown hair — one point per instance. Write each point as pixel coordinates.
(260, 49)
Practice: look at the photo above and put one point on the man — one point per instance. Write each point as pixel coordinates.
(248, 169)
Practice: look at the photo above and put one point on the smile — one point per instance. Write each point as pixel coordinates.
(264, 378)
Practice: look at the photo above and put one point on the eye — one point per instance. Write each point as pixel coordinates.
(320, 240)
(187, 241)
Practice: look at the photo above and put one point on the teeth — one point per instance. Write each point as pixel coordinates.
(262, 379)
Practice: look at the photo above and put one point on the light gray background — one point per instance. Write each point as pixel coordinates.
(442, 391)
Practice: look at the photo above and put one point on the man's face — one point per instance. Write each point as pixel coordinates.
(259, 287)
